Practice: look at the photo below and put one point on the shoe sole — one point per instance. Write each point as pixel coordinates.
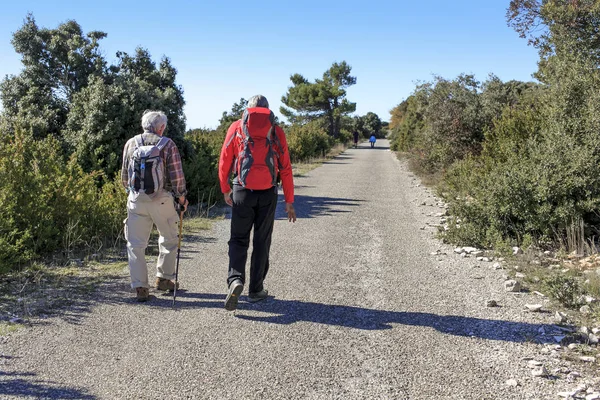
(233, 296)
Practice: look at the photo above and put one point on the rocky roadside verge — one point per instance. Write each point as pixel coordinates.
(560, 288)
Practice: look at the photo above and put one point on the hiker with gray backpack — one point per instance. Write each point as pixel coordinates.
(153, 176)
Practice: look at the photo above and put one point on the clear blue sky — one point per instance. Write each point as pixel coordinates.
(225, 50)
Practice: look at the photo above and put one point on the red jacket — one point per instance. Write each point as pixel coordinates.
(229, 152)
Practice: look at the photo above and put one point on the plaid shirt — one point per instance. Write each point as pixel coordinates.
(174, 179)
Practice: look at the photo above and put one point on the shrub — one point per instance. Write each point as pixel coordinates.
(47, 203)
(201, 166)
(307, 141)
(565, 289)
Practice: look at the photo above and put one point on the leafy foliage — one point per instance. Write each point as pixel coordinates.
(324, 99)
(50, 203)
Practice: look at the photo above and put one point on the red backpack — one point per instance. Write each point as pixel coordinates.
(255, 164)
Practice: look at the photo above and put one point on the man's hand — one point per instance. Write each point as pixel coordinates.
(228, 199)
(289, 209)
(182, 204)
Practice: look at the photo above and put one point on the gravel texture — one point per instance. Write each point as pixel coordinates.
(367, 304)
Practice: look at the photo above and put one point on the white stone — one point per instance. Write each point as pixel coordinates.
(458, 250)
(534, 307)
(520, 275)
(539, 371)
(538, 293)
(588, 359)
(560, 317)
(517, 250)
(469, 249)
(590, 299)
(486, 259)
(573, 376)
(479, 258)
(593, 396)
(534, 363)
(512, 286)
(567, 395)
(463, 255)
(497, 266)
(512, 382)
(585, 310)
(572, 346)
(596, 331)
(592, 339)
(477, 253)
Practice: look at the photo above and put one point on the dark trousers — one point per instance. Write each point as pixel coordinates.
(251, 208)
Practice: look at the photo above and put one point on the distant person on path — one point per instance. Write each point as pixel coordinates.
(355, 139)
(372, 139)
(256, 151)
(153, 177)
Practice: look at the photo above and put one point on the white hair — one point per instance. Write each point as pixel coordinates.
(152, 120)
(258, 101)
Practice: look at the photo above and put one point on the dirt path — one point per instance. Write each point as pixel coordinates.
(361, 309)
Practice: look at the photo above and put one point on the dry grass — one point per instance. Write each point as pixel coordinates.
(197, 224)
(41, 289)
(304, 167)
(8, 327)
(426, 178)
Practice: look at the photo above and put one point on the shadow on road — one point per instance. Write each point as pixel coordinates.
(374, 148)
(286, 312)
(312, 207)
(22, 384)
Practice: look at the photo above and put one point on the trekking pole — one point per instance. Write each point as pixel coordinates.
(180, 210)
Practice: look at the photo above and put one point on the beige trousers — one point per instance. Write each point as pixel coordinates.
(142, 213)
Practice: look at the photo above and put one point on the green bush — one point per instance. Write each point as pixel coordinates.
(48, 203)
(307, 141)
(565, 289)
(201, 166)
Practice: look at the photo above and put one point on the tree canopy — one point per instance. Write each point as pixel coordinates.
(324, 98)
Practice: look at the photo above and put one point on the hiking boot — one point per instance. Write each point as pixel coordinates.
(254, 297)
(142, 294)
(165, 284)
(235, 289)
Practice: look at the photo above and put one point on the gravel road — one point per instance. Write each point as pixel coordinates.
(361, 310)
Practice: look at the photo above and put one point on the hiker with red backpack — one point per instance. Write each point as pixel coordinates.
(256, 151)
(153, 177)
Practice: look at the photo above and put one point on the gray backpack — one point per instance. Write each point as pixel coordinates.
(145, 171)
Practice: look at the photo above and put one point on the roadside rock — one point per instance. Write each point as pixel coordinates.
(585, 310)
(560, 318)
(491, 303)
(517, 250)
(512, 382)
(539, 372)
(512, 286)
(533, 307)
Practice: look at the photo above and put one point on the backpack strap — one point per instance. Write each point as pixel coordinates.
(138, 140)
(162, 143)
